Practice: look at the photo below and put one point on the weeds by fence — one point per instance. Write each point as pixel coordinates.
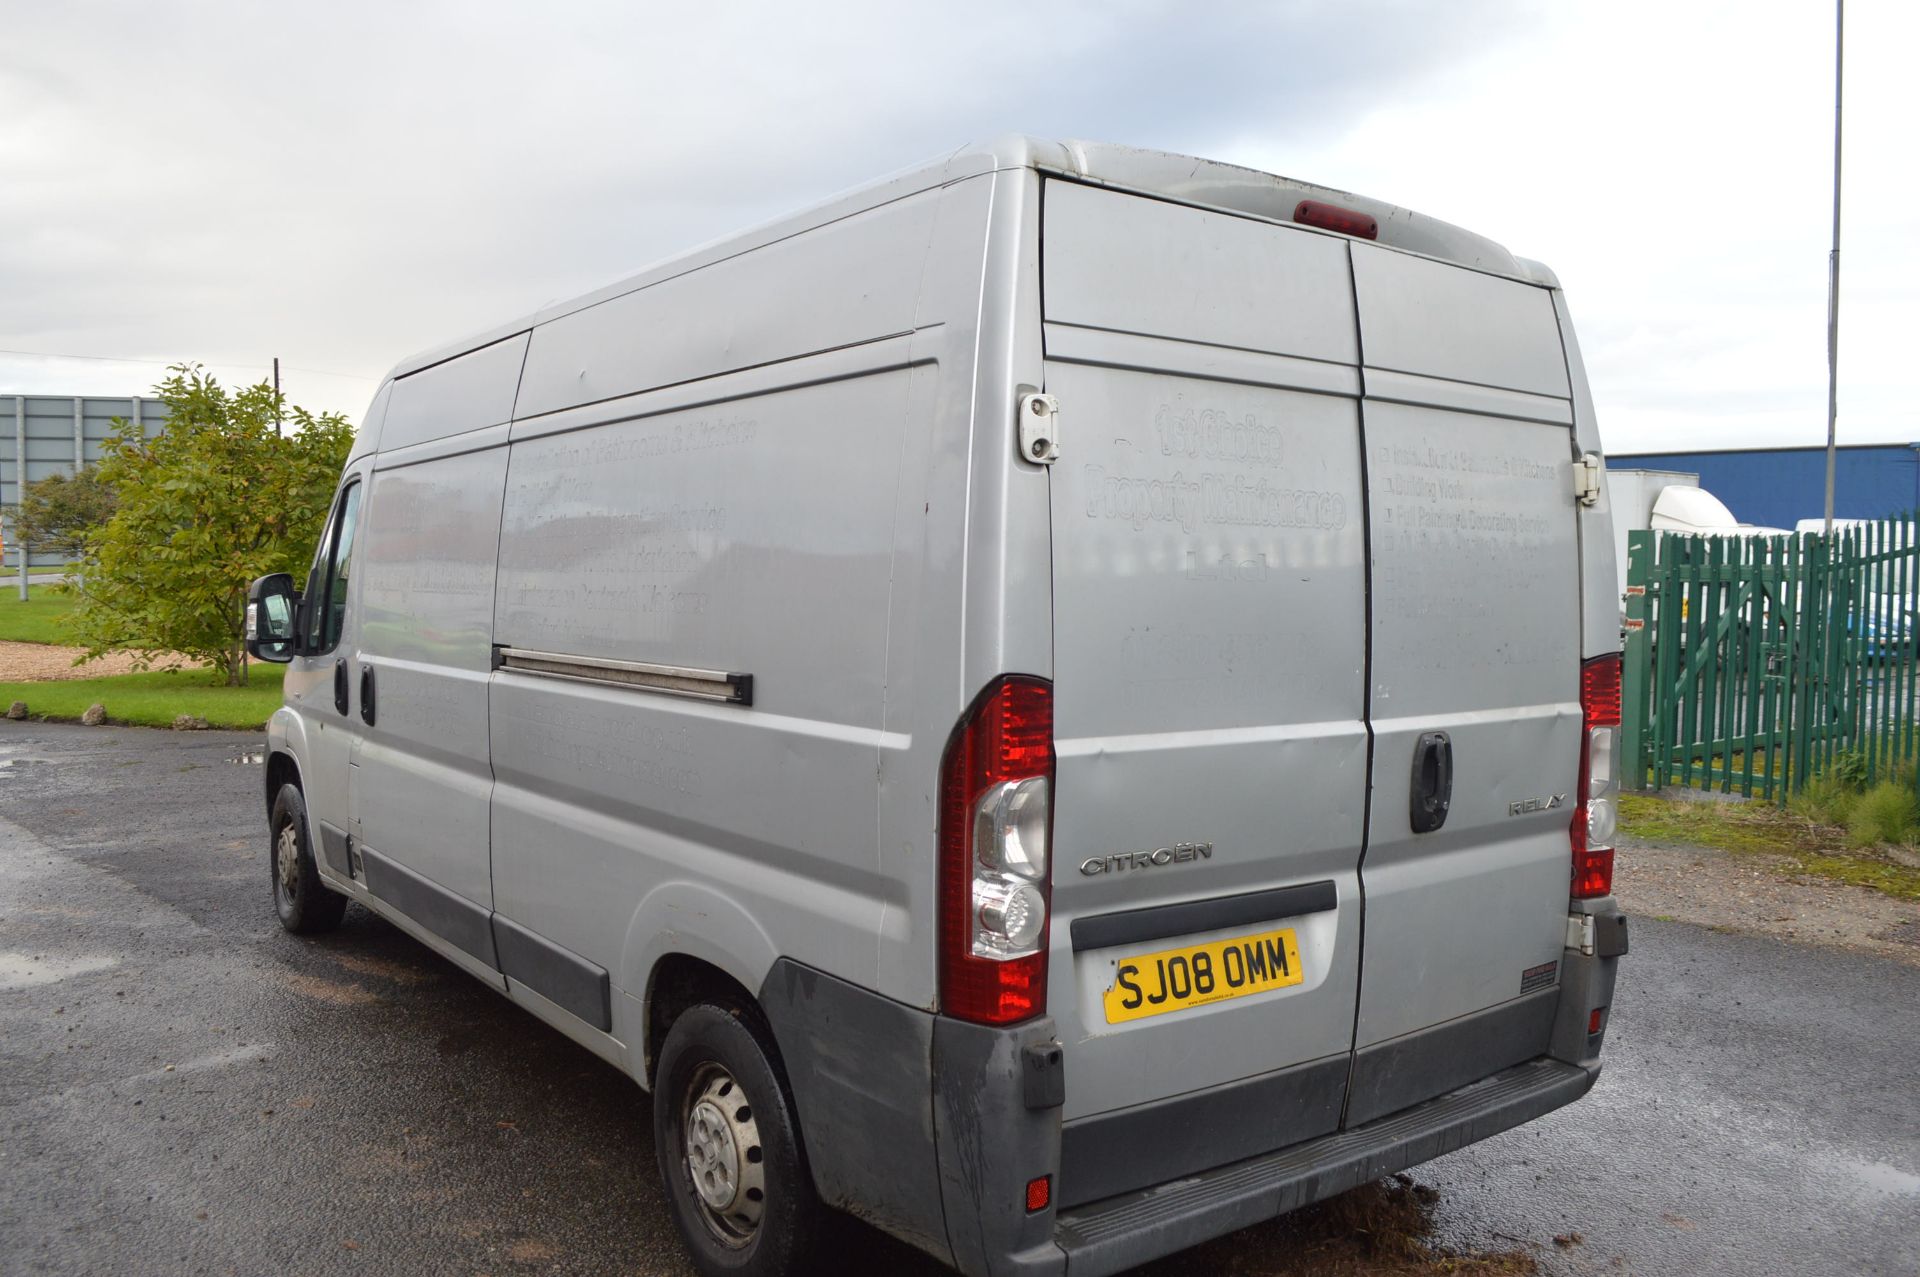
(1754, 664)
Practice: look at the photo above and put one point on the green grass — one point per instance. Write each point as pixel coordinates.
(38, 619)
(154, 699)
(1805, 846)
(1886, 813)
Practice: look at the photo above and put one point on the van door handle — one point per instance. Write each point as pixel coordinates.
(340, 685)
(366, 695)
(1432, 782)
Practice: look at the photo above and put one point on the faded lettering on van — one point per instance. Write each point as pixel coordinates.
(576, 598)
(1455, 509)
(1208, 434)
(1210, 500)
(1465, 461)
(1214, 566)
(659, 598)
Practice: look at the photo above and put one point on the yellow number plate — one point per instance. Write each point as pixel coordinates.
(1174, 979)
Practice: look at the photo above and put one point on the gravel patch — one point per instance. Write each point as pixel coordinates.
(1756, 894)
(46, 662)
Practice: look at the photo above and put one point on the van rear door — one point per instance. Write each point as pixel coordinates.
(1475, 674)
(1209, 685)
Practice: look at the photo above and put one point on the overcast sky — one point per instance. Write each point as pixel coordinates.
(343, 184)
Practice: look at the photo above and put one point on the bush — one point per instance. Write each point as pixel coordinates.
(1849, 767)
(1828, 799)
(1839, 793)
(218, 499)
(57, 513)
(1889, 812)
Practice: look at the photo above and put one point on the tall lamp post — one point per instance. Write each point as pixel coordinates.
(1833, 258)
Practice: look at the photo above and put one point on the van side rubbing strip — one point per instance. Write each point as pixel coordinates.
(1132, 926)
(454, 919)
(333, 848)
(668, 680)
(561, 976)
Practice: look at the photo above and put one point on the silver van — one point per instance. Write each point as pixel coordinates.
(1061, 703)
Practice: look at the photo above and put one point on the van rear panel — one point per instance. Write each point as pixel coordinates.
(1314, 506)
(1476, 634)
(1209, 631)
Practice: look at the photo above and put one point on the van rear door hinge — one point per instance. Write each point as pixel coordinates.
(1580, 933)
(1039, 428)
(1586, 479)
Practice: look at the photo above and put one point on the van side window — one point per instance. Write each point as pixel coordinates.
(327, 584)
(316, 586)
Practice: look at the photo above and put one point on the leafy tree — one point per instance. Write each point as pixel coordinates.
(57, 512)
(217, 500)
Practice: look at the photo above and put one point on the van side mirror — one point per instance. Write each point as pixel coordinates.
(272, 607)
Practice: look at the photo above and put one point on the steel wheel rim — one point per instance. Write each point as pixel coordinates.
(286, 863)
(722, 1154)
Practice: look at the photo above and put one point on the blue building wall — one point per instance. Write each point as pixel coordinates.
(1777, 487)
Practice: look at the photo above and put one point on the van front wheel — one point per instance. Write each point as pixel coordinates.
(305, 904)
(728, 1145)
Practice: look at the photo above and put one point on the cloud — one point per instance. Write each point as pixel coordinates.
(345, 184)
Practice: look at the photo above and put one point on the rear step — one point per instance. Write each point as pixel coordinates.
(1117, 1233)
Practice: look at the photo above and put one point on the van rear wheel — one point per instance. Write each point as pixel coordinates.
(304, 903)
(728, 1144)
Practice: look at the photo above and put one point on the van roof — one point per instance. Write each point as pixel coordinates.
(1183, 179)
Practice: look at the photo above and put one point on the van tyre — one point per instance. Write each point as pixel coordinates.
(728, 1144)
(306, 905)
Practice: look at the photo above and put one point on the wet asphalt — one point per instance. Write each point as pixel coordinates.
(186, 1089)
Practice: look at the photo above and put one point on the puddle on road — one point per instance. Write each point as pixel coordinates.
(251, 756)
(218, 1060)
(14, 759)
(1879, 1176)
(24, 970)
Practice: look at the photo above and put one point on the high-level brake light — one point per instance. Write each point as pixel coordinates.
(1595, 816)
(1331, 217)
(996, 800)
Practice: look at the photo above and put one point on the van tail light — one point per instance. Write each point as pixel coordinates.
(1331, 217)
(1595, 817)
(996, 821)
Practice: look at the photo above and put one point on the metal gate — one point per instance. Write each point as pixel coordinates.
(1753, 663)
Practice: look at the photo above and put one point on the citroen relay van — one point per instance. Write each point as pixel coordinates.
(1062, 703)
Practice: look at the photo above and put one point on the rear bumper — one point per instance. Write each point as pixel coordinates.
(931, 1129)
(1132, 1228)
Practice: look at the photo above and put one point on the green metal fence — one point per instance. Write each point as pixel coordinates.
(1756, 663)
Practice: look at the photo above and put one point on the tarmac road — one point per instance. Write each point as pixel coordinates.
(186, 1089)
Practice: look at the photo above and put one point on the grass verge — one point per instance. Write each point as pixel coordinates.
(38, 619)
(1809, 847)
(154, 699)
